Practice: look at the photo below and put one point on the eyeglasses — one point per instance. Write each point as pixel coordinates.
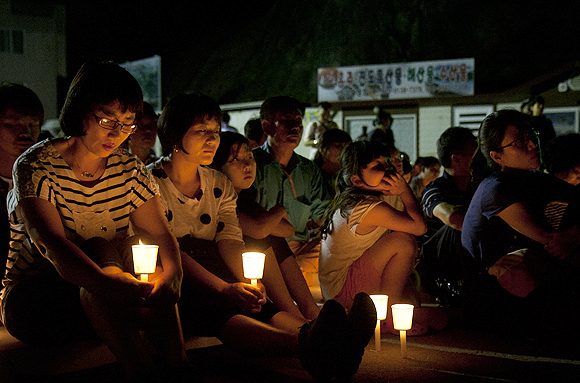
(520, 143)
(107, 123)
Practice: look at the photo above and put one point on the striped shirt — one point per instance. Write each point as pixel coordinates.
(86, 211)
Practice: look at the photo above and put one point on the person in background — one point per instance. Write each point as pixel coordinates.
(141, 142)
(383, 132)
(428, 172)
(226, 127)
(543, 127)
(316, 129)
(254, 133)
(328, 156)
(562, 158)
(21, 116)
(285, 178)
(70, 269)
(444, 203)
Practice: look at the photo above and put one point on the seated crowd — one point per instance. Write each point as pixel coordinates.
(497, 233)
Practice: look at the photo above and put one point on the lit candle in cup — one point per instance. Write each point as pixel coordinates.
(403, 321)
(381, 304)
(144, 260)
(253, 264)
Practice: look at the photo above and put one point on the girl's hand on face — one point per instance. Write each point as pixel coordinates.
(394, 184)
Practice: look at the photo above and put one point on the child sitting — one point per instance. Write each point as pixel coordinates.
(264, 230)
(368, 246)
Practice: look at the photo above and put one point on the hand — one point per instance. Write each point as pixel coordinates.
(563, 243)
(166, 290)
(247, 297)
(394, 184)
(123, 288)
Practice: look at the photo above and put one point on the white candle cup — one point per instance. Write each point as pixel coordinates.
(402, 321)
(381, 305)
(144, 260)
(253, 264)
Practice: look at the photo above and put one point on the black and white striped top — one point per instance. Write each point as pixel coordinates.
(101, 210)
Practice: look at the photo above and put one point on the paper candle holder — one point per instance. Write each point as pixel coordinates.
(144, 259)
(253, 263)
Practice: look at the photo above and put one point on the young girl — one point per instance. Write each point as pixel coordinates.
(368, 245)
(264, 230)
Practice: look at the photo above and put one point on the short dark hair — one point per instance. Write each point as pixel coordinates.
(228, 139)
(334, 135)
(181, 113)
(537, 99)
(283, 104)
(253, 129)
(453, 141)
(493, 127)
(562, 154)
(22, 100)
(98, 83)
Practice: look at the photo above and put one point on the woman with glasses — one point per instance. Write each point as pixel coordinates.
(517, 227)
(69, 274)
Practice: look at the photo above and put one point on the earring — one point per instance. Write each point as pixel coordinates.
(175, 149)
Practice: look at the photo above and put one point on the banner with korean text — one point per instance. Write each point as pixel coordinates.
(423, 79)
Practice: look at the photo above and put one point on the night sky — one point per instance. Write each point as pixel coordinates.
(245, 51)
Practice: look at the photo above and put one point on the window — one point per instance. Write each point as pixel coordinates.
(404, 129)
(565, 120)
(12, 41)
(470, 116)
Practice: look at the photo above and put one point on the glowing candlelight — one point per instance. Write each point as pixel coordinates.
(381, 304)
(403, 321)
(144, 260)
(253, 264)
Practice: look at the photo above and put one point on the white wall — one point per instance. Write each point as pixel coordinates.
(44, 54)
(432, 122)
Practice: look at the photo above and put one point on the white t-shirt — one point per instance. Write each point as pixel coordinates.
(210, 215)
(343, 246)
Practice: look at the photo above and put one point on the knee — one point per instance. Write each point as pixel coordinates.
(406, 243)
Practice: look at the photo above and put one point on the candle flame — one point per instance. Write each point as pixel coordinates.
(140, 243)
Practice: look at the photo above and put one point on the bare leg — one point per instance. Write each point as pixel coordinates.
(298, 288)
(164, 331)
(115, 326)
(249, 335)
(393, 257)
(276, 286)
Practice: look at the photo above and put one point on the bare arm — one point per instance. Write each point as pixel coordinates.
(247, 297)
(272, 222)
(518, 217)
(150, 224)
(410, 220)
(451, 215)
(43, 224)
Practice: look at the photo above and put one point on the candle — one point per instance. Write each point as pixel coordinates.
(144, 260)
(381, 305)
(253, 264)
(403, 321)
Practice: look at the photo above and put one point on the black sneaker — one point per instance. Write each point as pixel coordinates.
(321, 341)
(362, 320)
